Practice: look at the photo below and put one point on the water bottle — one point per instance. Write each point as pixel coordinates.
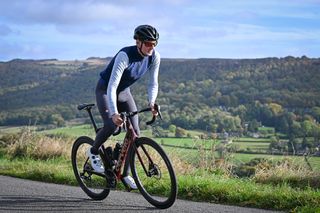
(116, 151)
(108, 152)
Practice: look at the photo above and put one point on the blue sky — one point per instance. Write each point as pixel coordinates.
(78, 29)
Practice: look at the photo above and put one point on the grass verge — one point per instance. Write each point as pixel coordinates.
(206, 188)
(42, 158)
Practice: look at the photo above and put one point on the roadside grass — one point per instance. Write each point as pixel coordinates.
(57, 170)
(243, 192)
(203, 178)
(204, 187)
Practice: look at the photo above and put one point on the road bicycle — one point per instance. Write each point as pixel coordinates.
(150, 166)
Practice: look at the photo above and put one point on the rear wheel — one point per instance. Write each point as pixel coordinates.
(93, 184)
(153, 173)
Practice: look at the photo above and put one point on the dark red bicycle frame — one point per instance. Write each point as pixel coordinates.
(129, 139)
(128, 143)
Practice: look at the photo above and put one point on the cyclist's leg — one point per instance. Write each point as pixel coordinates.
(127, 103)
(108, 126)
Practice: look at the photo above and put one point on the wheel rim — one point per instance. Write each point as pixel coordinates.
(154, 178)
(92, 182)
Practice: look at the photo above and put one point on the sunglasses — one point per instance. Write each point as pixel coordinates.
(150, 43)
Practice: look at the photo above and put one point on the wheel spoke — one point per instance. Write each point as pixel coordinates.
(92, 183)
(157, 182)
(141, 160)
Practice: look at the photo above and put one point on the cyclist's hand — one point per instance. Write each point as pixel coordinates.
(117, 120)
(153, 110)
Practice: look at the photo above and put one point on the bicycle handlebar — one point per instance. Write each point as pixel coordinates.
(88, 107)
(130, 114)
(156, 107)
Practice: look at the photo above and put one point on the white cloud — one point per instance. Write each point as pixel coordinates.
(62, 12)
(74, 28)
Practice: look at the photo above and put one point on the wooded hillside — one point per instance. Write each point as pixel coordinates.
(207, 94)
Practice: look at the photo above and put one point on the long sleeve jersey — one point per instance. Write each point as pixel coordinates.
(126, 68)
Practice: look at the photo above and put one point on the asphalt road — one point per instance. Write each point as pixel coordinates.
(19, 195)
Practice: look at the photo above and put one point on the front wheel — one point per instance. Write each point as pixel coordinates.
(93, 184)
(153, 173)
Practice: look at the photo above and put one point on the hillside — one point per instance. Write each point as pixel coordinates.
(193, 92)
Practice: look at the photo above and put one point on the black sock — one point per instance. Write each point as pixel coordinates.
(94, 151)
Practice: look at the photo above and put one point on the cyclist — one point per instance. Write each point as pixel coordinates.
(113, 89)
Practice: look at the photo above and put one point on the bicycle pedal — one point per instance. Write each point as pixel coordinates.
(111, 186)
(111, 179)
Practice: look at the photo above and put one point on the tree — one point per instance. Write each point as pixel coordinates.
(224, 100)
(56, 119)
(307, 127)
(275, 108)
(306, 144)
(157, 131)
(296, 130)
(172, 128)
(266, 116)
(282, 124)
(180, 132)
(253, 125)
(316, 135)
(241, 111)
(292, 145)
(316, 113)
(275, 144)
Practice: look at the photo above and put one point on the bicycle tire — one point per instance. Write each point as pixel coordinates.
(80, 160)
(160, 189)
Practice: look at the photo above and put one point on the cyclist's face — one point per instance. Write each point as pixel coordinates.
(147, 47)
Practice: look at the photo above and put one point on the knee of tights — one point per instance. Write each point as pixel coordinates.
(137, 132)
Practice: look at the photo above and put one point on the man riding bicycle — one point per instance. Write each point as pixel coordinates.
(113, 90)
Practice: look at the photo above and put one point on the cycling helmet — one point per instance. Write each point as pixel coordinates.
(146, 33)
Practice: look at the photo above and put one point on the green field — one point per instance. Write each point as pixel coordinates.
(259, 147)
(193, 155)
(187, 142)
(188, 149)
(243, 158)
(9, 129)
(74, 131)
(246, 139)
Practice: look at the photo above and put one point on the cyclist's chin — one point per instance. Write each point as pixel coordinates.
(149, 53)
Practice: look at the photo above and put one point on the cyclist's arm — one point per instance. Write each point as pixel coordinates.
(120, 64)
(153, 83)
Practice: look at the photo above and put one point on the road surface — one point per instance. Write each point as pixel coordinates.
(19, 195)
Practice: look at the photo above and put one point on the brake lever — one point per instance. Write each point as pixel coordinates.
(157, 108)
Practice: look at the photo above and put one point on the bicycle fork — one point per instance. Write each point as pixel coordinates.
(153, 169)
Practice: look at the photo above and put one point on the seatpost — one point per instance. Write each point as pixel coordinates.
(92, 120)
